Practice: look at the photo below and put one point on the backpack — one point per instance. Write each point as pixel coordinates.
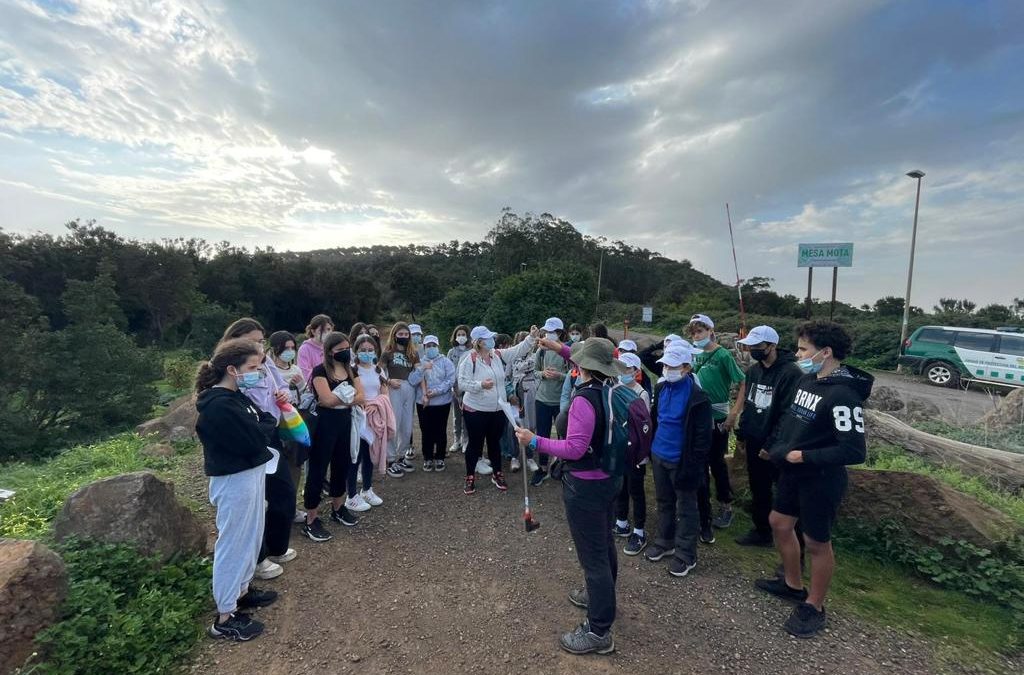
(629, 429)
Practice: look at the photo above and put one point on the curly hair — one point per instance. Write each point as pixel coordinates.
(823, 334)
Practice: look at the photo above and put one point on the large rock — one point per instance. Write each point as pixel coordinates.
(33, 583)
(886, 399)
(180, 413)
(1008, 414)
(929, 509)
(138, 509)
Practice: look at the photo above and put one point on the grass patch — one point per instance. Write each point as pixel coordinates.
(1010, 440)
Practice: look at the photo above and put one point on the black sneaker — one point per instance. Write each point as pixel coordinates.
(755, 538)
(621, 531)
(579, 597)
(636, 543)
(707, 535)
(405, 465)
(656, 552)
(238, 627)
(498, 478)
(428, 465)
(344, 516)
(539, 476)
(723, 520)
(255, 597)
(780, 589)
(805, 621)
(395, 470)
(316, 531)
(439, 465)
(470, 485)
(680, 568)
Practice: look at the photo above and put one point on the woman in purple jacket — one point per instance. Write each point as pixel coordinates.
(589, 493)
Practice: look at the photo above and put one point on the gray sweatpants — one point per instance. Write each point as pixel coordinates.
(240, 514)
(403, 402)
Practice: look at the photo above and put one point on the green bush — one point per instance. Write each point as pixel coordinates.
(124, 613)
(180, 371)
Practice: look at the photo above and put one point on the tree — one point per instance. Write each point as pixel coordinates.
(996, 315)
(889, 306)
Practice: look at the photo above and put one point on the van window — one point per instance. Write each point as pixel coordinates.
(934, 335)
(1011, 345)
(980, 342)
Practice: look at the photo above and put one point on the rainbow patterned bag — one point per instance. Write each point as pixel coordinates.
(292, 426)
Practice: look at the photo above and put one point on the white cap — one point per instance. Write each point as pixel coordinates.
(481, 333)
(676, 356)
(759, 334)
(685, 344)
(414, 329)
(431, 340)
(704, 319)
(631, 360)
(672, 337)
(553, 324)
(628, 345)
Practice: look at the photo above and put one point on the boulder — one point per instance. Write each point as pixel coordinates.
(33, 583)
(158, 450)
(137, 509)
(929, 509)
(919, 410)
(886, 399)
(180, 433)
(1008, 414)
(180, 413)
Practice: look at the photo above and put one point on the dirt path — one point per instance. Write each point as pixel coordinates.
(437, 582)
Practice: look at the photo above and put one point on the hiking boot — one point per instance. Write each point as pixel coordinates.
(579, 597)
(583, 641)
(470, 485)
(395, 471)
(680, 568)
(780, 589)
(656, 552)
(539, 476)
(621, 531)
(405, 465)
(723, 520)
(755, 538)
(498, 478)
(805, 621)
(635, 544)
(428, 465)
(371, 498)
(357, 503)
(255, 597)
(238, 627)
(483, 467)
(268, 569)
(287, 556)
(316, 531)
(707, 535)
(514, 465)
(439, 465)
(344, 516)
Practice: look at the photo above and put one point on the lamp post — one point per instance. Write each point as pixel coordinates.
(918, 174)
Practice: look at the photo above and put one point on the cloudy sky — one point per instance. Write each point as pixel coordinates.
(315, 124)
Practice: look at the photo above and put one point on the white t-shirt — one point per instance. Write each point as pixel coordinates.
(370, 380)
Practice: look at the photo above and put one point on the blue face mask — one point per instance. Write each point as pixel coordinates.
(809, 366)
(626, 379)
(248, 380)
(702, 343)
(489, 343)
(431, 352)
(288, 355)
(574, 337)
(367, 357)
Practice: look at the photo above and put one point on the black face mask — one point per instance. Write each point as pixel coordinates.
(402, 341)
(759, 354)
(344, 356)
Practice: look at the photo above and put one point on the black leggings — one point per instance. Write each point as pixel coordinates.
(483, 426)
(434, 429)
(365, 465)
(633, 486)
(330, 446)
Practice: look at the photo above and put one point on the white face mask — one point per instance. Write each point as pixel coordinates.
(552, 336)
(673, 375)
(460, 339)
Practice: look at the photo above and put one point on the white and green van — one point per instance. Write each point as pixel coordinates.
(948, 355)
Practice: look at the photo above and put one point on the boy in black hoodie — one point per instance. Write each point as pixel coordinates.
(235, 456)
(771, 383)
(820, 434)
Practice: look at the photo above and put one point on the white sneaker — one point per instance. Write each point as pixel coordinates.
(455, 446)
(300, 516)
(515, 464)
(288, 556)
(483, 467)
(371, 497)
(268, 570)
(531, 465)
(357, 503)
(465, 444)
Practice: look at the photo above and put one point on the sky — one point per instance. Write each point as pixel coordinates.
(315, 124)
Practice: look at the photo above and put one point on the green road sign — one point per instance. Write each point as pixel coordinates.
(825, 255)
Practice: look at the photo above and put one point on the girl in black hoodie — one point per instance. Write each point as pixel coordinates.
(235, 456)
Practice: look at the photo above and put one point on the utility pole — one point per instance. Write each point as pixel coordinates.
(910, 270)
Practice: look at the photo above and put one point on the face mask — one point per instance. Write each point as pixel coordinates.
(460, 339)
(673, 375)
(809, 366)
(702, 343)
(574, 337)
(367, 357)
(489, 343)
(417, 339)
(551, 336)
(323, 334)
(344, 356)
(432, 352)
(759, 354)
(402, 341)
(288, 355)
(626, 379)
(248, 380)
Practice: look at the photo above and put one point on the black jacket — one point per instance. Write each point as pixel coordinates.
(825, 420)
(769, 393)
(697, 438)
(232, 430)
(649, 357)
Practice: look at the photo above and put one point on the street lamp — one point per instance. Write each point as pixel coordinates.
(918, 174)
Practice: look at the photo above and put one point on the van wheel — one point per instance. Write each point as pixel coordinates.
(942, 374)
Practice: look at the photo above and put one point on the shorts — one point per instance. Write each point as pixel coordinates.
(813, 496)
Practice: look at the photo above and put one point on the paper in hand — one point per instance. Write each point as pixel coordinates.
(510, 413)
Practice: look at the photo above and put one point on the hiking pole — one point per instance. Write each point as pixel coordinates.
(528, 520)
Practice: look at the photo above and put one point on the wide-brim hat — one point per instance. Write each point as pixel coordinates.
(598, 355)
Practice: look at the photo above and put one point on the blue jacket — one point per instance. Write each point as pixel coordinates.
(695, 438)
(440, 378)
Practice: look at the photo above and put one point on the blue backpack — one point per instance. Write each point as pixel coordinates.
(629, 428)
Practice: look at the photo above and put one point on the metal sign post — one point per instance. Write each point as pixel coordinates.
(834, 255)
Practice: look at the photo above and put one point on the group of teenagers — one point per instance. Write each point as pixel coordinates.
(519, 401)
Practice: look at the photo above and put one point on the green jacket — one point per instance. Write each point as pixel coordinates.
(550, 391)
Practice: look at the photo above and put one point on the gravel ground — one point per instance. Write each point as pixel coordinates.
(437, 582)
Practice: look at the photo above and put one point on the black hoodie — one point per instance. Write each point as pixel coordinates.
(229, 427)
(825, 420)
(769, 393)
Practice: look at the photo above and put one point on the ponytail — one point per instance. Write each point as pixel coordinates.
(233, 352)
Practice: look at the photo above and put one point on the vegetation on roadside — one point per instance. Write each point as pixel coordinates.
(1011, 439)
